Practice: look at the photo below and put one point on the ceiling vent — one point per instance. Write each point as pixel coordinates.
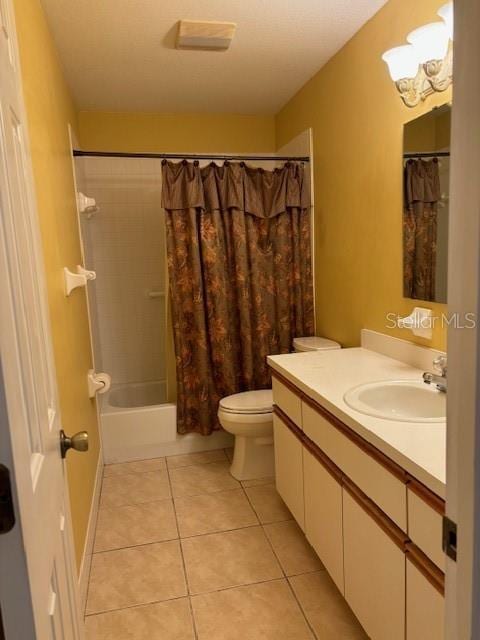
(193, 34)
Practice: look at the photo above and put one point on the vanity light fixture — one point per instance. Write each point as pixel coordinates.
(425, 64)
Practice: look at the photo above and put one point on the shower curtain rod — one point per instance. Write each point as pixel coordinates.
(185, 156)
(424, 154)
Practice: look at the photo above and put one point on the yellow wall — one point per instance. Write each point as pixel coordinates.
(182, 133)
(357, 118)
(49, 111)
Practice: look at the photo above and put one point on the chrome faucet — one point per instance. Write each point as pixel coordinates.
(440, 381)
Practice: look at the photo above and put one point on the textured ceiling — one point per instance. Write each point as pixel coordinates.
(120, 55)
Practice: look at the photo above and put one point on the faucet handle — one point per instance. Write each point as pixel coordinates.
(440, 364)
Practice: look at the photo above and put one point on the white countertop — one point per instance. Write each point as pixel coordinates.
(325, 376)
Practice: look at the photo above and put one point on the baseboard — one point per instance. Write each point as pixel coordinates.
(84, 572)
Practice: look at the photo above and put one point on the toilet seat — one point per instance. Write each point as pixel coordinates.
(248, 402)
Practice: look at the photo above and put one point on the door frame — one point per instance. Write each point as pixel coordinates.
(463, 406)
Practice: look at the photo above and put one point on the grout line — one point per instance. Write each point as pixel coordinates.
(301, 608)
(189, 595)
(192, 616)
(218, 531)
(193, 464)
(134, 606)
(135, 546)
(239, 586)
(285, 576)
(132, 504)
(255, 511)
(166, 466)
(193, 595)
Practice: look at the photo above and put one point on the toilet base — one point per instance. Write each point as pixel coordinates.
(253, 458)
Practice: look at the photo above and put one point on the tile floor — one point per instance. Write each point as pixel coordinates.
(185, 552)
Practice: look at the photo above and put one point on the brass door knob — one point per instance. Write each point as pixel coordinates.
(79, 442)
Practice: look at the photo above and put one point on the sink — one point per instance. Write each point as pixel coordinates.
(402, 400)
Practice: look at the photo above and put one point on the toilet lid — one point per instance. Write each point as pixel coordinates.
(249, 402)
(314, 343)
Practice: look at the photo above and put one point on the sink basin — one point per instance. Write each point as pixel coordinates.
(402, 400)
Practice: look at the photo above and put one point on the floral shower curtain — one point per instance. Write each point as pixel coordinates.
(422, 194)
(239, 260)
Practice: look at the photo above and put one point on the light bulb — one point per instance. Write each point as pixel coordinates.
(446, 13)
(402, 62)
(430, 41)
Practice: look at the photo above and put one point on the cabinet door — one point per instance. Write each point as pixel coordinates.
(425, 607)
(289, 469)
(425, 528)
(374, 574)
(323, 516)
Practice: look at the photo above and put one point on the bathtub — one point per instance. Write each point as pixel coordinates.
(137, 423)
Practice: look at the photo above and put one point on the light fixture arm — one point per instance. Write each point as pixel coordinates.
(432, 76)
(425, 64)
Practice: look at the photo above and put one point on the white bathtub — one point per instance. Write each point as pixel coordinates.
(137, 423)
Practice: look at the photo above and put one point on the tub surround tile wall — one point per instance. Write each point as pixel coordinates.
(124, 244)
(223, 575)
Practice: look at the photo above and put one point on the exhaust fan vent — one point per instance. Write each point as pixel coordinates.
(193, 34)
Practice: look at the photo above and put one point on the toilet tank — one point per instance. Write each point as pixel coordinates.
(314, 343)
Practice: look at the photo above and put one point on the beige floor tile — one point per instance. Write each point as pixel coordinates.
(165, 620)
(257, 482)
(212, 512)
(135, 488)
(202, 457)
(221, 560)
(138, 466)
(139, 575)
(325, 608)
(292, 548)
(202, 478)
(229, 453)
(268, 504)
(135, 524)
(266, 611)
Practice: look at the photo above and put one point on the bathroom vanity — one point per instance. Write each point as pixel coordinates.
(368, 492)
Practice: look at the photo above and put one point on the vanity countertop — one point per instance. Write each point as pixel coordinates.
(325, 376)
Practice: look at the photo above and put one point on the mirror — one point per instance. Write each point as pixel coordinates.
(426, 173)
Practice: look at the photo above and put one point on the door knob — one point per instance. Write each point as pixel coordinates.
(79, 442)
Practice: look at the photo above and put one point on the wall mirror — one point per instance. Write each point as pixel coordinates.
(426, 174)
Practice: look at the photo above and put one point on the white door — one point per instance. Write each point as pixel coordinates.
(37, 589)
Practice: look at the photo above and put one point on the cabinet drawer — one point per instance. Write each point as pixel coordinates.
(323, 516)
(387, 490)
(374, 574)
(288, 401)
(425, 607)
(289, 468)
(425, 528)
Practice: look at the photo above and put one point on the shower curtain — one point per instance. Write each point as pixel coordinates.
(239, 261)
(421, 197)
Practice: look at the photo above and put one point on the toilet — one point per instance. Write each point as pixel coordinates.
(249, 417)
